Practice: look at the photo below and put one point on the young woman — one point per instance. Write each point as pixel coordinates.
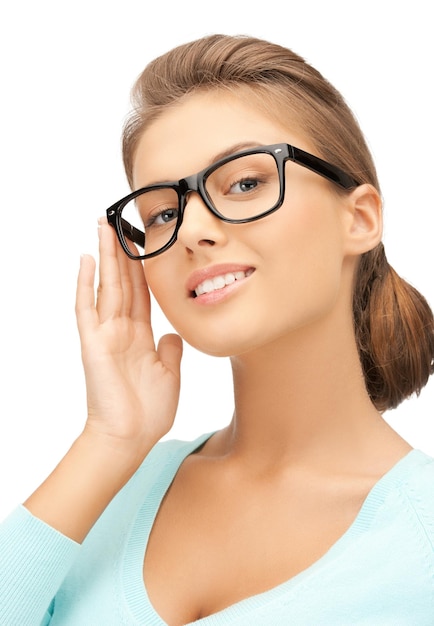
(256, 214)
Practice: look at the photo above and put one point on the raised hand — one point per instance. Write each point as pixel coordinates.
(132, 386)
(132, 391)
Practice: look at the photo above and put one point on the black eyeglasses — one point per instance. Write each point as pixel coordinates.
(240, 188)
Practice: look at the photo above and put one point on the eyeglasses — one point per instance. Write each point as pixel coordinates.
(240, 188)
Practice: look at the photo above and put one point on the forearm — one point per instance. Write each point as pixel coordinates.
(34, 560)
(75, 494)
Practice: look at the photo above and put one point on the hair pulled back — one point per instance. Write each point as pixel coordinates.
(394, 324)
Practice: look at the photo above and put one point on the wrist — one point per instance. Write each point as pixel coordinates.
(119, 457)
(89, 476)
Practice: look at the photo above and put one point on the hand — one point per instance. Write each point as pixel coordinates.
(132, 386)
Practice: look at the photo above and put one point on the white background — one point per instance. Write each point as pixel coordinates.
(66, 72)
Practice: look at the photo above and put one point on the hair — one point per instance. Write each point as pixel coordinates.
(393, 322)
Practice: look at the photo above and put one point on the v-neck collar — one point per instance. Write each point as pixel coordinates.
(135, 592)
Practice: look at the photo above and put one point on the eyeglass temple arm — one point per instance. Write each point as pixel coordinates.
(133, 234)
(332, 172)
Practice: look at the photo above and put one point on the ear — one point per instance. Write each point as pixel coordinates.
(364, 220)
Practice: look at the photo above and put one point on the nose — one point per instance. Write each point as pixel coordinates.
(200, 227)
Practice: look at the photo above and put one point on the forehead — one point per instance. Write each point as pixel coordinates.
(188, 137)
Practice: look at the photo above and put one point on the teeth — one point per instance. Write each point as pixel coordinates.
(218, 282)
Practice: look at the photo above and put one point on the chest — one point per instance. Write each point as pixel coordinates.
(215, 543)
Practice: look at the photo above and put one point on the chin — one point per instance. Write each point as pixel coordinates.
(227, 345)
(212, 348)
(218, 344)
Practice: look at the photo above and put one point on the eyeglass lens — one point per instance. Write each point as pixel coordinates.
(241, 188)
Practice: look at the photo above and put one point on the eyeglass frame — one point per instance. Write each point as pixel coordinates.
(281, 153)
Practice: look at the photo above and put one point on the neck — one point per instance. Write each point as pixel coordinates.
(303, 399)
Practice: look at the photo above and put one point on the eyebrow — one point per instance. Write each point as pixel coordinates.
(242, 145)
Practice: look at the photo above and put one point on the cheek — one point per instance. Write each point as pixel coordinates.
(308, 230)
(159, 280)
(307, 252)
(167, 287)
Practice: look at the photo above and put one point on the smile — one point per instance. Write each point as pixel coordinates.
(221, 281)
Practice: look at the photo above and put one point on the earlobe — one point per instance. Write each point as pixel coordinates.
(365, 220)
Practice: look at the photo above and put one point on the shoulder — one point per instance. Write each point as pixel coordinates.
(148, 484)
(418, 480)
(163, 462)
(172, 451)
(417, 487)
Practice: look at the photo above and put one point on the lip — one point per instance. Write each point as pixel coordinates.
(207, 273)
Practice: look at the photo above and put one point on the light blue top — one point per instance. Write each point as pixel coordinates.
(379, 573)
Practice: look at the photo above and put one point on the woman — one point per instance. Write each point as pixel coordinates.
(307, 508)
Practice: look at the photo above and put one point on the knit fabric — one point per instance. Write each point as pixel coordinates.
(379, 573)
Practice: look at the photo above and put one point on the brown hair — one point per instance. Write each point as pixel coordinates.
(394, 325)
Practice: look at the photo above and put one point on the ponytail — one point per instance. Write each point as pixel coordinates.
(394, 328)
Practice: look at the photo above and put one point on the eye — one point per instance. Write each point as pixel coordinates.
(244, 185)
(161, 218)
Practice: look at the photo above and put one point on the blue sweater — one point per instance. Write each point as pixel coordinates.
(379, 573)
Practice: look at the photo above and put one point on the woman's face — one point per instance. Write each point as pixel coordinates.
(288, 266)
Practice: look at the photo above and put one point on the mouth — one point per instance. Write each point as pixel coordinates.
(220, 281)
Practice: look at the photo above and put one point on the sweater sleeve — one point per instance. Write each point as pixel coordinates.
(34, 560)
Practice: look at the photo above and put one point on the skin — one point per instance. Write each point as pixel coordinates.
(305, 444)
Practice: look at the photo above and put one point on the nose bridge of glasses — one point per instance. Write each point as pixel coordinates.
(192, 185)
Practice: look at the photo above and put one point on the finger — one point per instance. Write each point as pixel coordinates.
(141, 300)
(125, 277)
(110, 292)
(170, 352)
(85, 295)
(135, 292)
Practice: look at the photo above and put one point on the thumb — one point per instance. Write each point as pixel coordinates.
(170, 352)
